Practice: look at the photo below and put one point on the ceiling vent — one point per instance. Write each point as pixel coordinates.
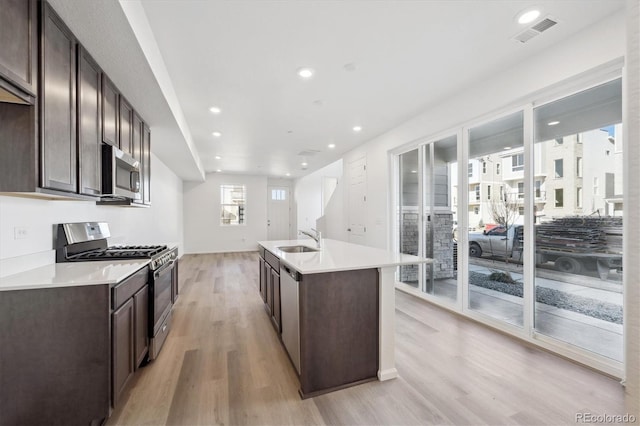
(535, 30)
(308, 153)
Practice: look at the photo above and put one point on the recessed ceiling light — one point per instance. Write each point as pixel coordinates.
(305, 73)
(216, 134)
(287, 174)
(215, 110)
(528, 16)
(414, 171)
(506, 148)
(218, 157)
(553, 123)
(218, 171)
(304, 164)
(331, 145)
(357, 128)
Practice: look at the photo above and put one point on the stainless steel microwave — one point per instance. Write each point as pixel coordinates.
(120, 174)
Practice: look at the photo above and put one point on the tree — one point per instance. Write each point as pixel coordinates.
(505, 211)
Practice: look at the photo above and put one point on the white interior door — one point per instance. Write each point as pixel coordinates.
(357, 200)
(278, 213)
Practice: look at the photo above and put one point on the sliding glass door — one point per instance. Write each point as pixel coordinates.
(427, 216)
(578, 162)
(540, 231)
(496, 218)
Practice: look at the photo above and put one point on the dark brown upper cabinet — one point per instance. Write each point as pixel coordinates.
(146, 165)
(58, 161)
(110, 114)
(126, 126)
(89, 124)
(19, 41)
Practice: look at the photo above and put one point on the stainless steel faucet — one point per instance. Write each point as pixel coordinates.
(317, 236)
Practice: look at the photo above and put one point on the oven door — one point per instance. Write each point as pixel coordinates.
(162, 283)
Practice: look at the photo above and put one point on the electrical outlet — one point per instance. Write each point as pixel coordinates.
(20, 233)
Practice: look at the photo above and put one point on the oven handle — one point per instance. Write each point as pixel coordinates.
(162, 270)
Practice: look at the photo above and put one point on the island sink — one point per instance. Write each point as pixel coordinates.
(297, 249)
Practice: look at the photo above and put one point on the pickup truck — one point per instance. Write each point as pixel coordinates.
(499, 242)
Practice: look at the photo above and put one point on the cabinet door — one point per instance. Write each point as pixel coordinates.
(136, 151)
(18, 38)
(141, 312)
(262, 281)
(89, 124)
(275, 313)
(269, 303)
(59, 163)
(122, 329)
(126, 126)
(146, 165)
(110, 113)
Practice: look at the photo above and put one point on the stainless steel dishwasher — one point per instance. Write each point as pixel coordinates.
(289, 305)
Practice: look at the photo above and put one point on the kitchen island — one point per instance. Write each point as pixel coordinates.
(333, 308)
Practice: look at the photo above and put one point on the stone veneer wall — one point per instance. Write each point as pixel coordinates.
(442, 253)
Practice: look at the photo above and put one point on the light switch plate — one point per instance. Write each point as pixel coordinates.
(20, 233)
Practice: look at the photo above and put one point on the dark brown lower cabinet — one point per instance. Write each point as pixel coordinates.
(129, 330)
(122, 329)
(141, 313)
(275, 311)
(55, 356)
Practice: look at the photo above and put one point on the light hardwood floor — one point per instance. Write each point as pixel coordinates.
(223, 364)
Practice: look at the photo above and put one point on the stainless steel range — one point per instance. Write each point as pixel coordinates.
(87, 241)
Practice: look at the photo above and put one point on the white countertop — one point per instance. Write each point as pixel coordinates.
(72, 274)
(338, 256)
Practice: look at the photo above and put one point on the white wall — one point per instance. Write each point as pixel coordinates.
(586, 50)
(202, 230)
(308, 202)
(159, 224)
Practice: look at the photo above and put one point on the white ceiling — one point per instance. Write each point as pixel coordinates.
(243, 55)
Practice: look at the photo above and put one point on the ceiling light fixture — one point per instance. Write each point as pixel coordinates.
(506, 148)
(216, 134)
(305, 73)
(287, 174)
(357, 129)
(218, 157)
(215, 110)
(528, 16)
(304, 164)
(331, 145)
(553, 123)
(414, 171)
(218, 171)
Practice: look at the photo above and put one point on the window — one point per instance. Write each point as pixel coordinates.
(498, 168)
(521, 211)
(595, 185)
(484, 167)
(579, 138)
(477, 192)
(517, 162)
(232, 204)
(278, 194)
(579, 166)
(538, 189)
(520, 189)
(559, 197)
(559, 141)
(579, 198)
(470, 169)
(502, 192)
(476, 210)
(558, 167)
(488, 192)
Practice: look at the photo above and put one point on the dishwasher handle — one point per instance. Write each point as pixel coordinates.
(285, 270)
